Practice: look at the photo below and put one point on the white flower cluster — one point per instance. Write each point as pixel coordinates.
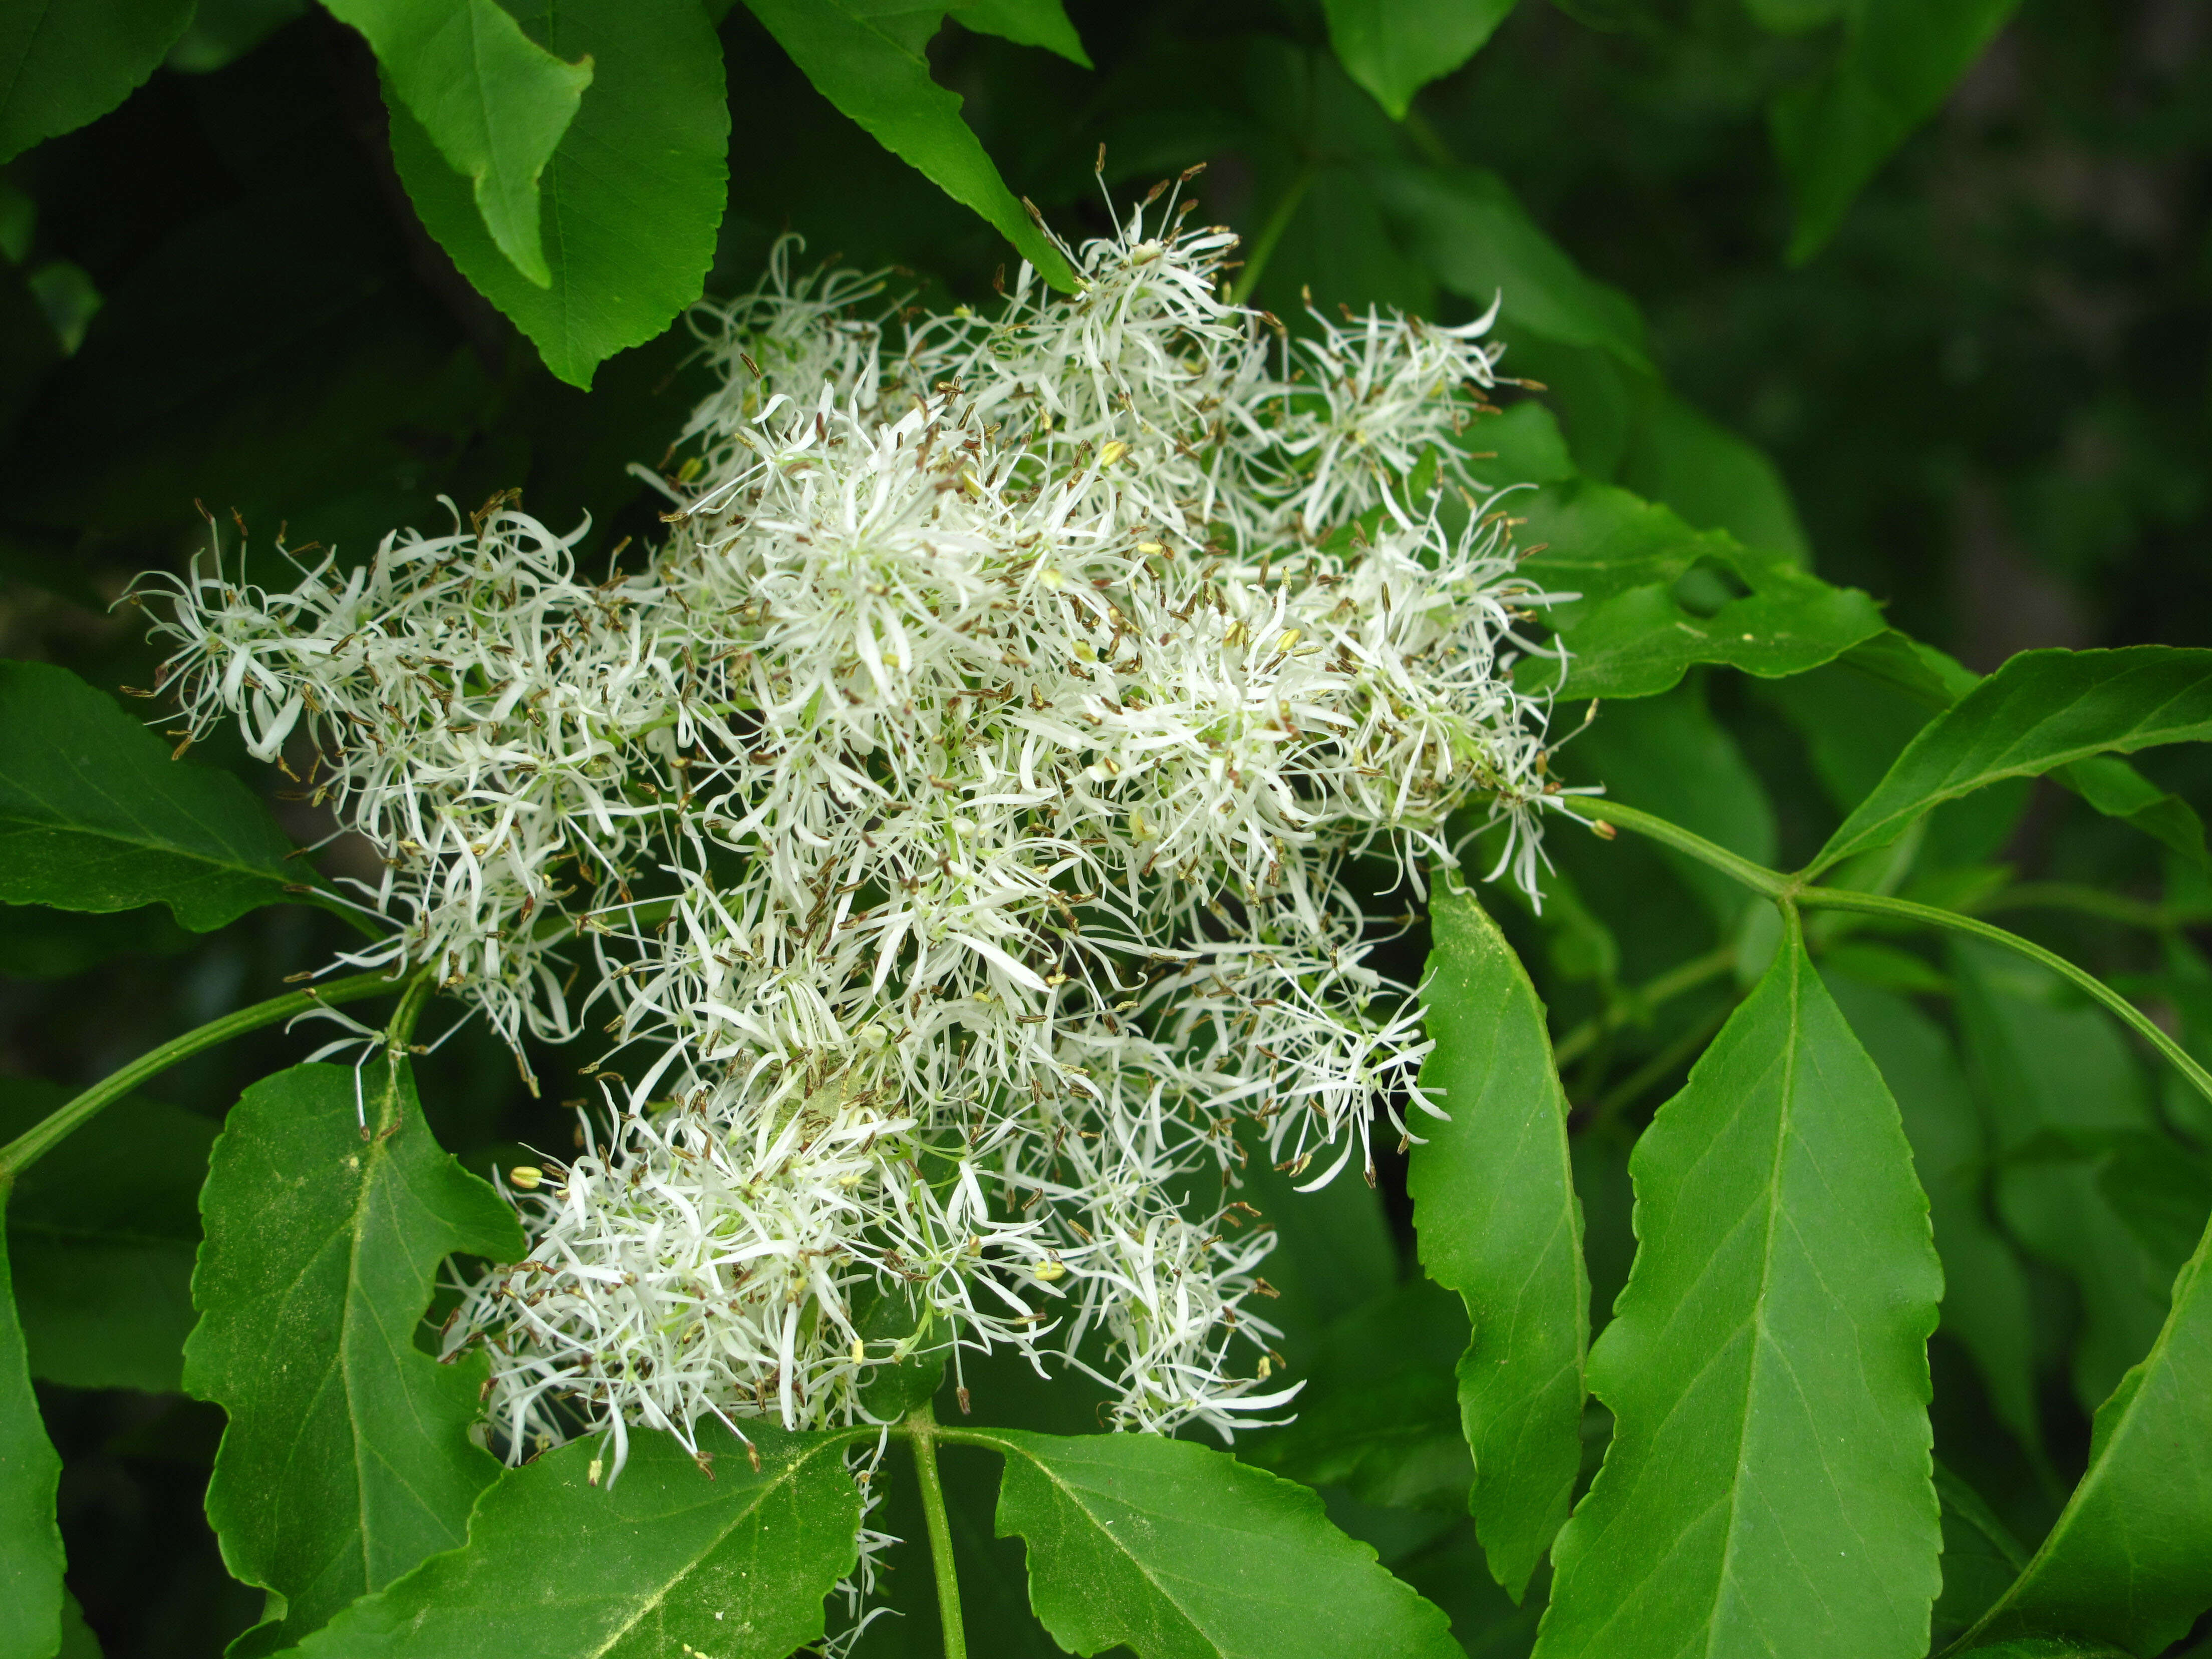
(954, 811)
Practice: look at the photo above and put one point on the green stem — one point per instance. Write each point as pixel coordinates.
(43, 1136)
(1787, 890)
(1263, 245)
(921, 1439)
(1838, 898)
(1757, 877)
(1664, 988)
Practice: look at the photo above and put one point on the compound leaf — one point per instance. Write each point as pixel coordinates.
(1495, 1210)
(1901, 59)
(2042, 710)
(30, 1473)
(1768, 1488)
(95, 816)
(632, 195)
(711, 1557)
(492, 100)
(347, 1460)
(1396, 47)
(101, 1232)
(1179, 1552)
(881, 83)
(65, 63)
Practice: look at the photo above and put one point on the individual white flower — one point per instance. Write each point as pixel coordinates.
(952, 814)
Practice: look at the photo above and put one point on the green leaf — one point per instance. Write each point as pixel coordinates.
(1379, 1415)
(30, 1473)
(65, 63)
(1712, 477)
(101, 1231)
(1495, 1212)
(1396, 47)
(1634, 628)
(632, 198)
(666, 1559)
(494, 101)
(884, 85)
(2045, 1647)
(1900, 60)
(2062, 1090)
(348, 1458)
(1981, 1558)
(1027, 23)
(2129, 1558)
(95, 816)
(1986, 1294)
(223, 31)
(1465, 225)
(2118, 791)
(77, 1640)
(1768, 1487)
(1179, 1552)
(2040, 711)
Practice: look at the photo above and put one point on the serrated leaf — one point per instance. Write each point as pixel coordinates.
(1027, 23)
(1179, 1552)
(1985, 1293)
(885, 87)
(1768, 1485)
(1396, 47)
(667, 1559)
(1379, 1415)
(68, 62)
(347, 1460)
(1629, 631)
(2129, 1558)
(30, 1540)
(95, 816)
(494, 101)
(632, 195)
(1901, 59)
(1495, 1212)
(101, 1231)
(2040, 711)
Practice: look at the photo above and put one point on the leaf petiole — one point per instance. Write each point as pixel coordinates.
(49, 1132)
(921, 1435)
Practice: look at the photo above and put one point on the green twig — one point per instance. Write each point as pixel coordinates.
(921, 1435)
(49, 1132)
(1757, 877)
(1838, 898)
(1663, 987)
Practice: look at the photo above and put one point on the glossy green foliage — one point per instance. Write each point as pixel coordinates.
(101, 1233)
(1179, 1551)
(1767, 1489)
(1654, 597)
(1495, 1210)
(1981, 1558)
(67, 62)
(30, 1543)
(1027, 23)
(674, 1555)
(493, 102)
(348, 1458)
(2042, 710)
(1396, 47)
(882, 82)
(1900, 58)
(630, 197)
(95, 816)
